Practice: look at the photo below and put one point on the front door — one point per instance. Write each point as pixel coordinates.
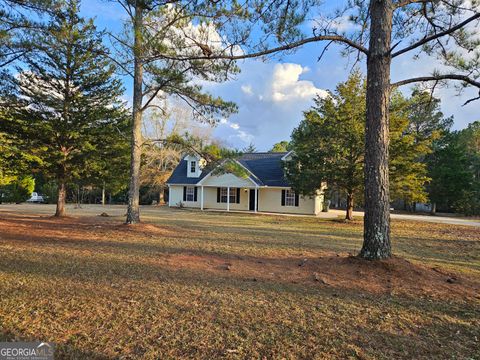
(251, 206)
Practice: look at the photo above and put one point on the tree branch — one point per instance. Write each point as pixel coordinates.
(335, 38)
(436, 36)
(437, 78)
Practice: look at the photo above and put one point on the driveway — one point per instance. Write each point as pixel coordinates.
(441, 219)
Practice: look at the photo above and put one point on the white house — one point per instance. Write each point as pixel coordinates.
(265, 189)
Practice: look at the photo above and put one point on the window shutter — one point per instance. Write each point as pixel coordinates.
(296, 199)
(238, 195)
(195, 193)
(184, 193)
(218, 195)
(283, 197)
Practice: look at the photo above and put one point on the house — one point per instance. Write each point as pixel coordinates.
(263, 188)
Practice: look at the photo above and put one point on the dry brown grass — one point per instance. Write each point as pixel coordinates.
(214, 285)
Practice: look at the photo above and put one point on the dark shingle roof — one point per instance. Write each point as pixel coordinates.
(267, 168)
(179, 175)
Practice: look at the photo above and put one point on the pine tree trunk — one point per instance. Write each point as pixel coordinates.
(62, 193)
(133, 211)
(376, 242)
(433, 211)
(349, 214)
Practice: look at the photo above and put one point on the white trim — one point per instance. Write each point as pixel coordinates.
(290, 198)
(201, 199)
(256, 199)
(228, 198)
(169, 196)
(284, 157)
(170, 184)
(187, 190)
(210, 173)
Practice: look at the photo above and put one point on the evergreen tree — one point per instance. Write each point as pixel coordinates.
(66, 98)
(454, 167)
(282, 146)
(407, 170)
(329, 145)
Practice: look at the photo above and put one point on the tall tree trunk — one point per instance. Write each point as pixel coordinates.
(161, 196)
(349, 214)
(376, 240)
(133, 211)
(433, 210)
(62, 194)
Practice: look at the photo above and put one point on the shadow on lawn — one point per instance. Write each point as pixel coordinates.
(113, 261)
(98, 250)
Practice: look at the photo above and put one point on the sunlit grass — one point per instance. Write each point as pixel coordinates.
(216, 285)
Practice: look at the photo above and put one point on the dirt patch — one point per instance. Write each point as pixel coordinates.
(78, 228)
(395, 276)
(144, 228)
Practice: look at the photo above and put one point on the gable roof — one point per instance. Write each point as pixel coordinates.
(266, 168)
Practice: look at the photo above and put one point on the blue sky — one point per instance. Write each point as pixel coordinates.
(272, 95)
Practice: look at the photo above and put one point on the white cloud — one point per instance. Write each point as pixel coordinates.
(287, 86)
(340, 24)
(271, 99)
(247, 89)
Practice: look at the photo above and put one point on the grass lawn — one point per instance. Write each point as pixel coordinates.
(187, 284)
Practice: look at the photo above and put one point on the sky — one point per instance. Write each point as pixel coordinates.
(271, 96)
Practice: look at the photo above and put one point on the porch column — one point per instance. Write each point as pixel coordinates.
(228, 198)
(201, 198)
(169, 197)
(256, 198)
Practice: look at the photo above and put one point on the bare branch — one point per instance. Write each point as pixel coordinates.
(472, 99)
(437, 78)
(437, 35)
(335, 38)
(404, 3)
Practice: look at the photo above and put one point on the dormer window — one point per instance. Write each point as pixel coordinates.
(193, 166)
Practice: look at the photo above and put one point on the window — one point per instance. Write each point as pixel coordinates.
(193, 166)
(233, 195)
(223, 195)
(224, 192)
(190, 193)
(289, 198)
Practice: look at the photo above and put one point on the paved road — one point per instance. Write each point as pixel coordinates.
(152, 211)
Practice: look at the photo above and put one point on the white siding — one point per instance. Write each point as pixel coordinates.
(176, 197)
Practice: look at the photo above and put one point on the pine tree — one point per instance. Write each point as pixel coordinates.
(66, 96)
(329, 145)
